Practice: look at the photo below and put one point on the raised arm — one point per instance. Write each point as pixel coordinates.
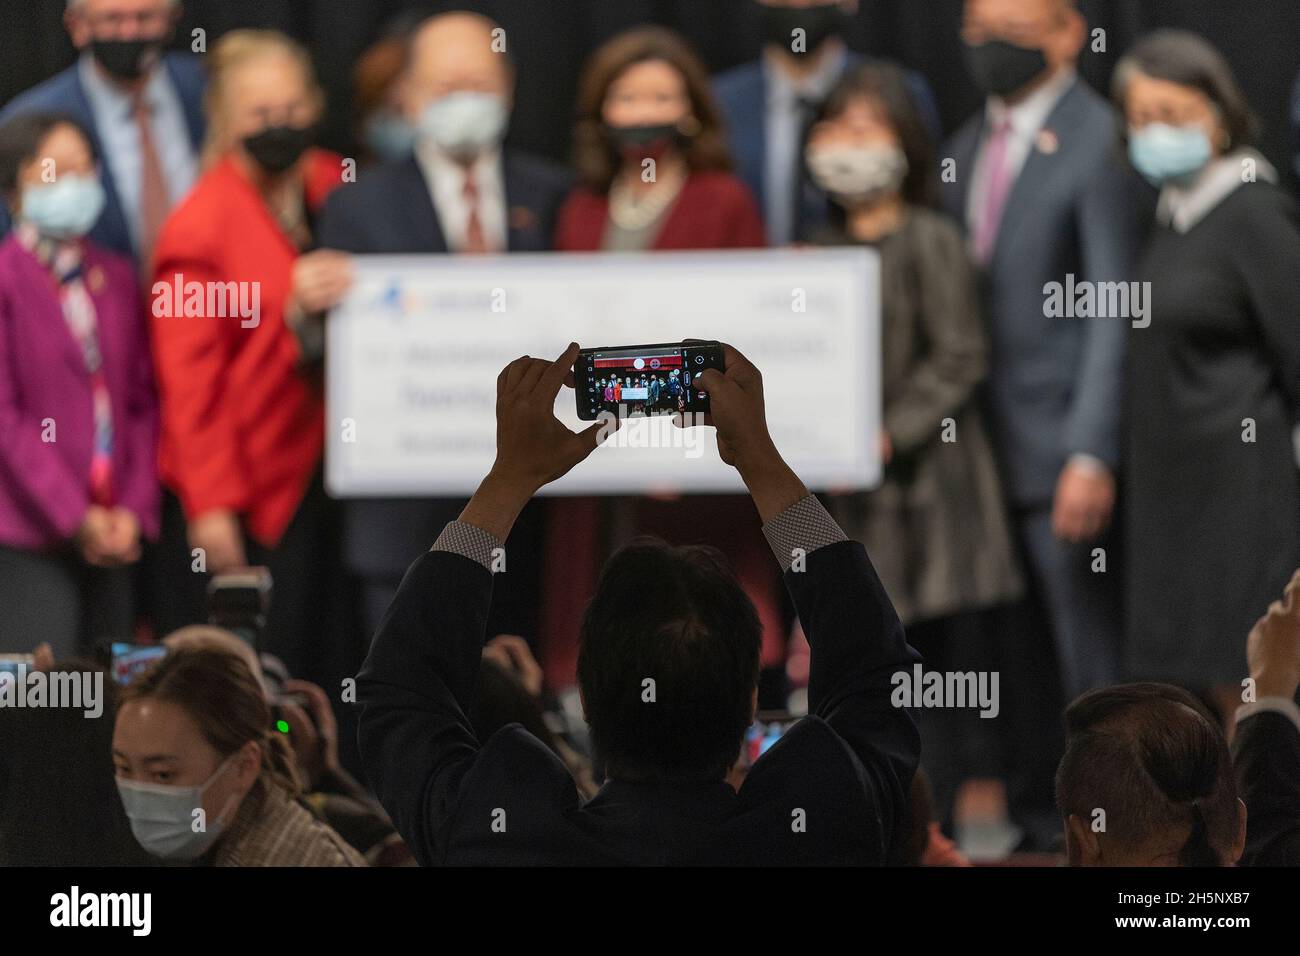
(856, 640)
(417, 685)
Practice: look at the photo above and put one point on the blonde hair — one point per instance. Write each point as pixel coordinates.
(235, 50)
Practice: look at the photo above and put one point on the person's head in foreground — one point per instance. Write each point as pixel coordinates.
(1182, 105)
(668, 663)
(1147, 780)
(192, 745)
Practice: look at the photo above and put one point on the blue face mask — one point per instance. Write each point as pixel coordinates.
(390, 137)
(162, 817)
(65, 209)
(1163, 153)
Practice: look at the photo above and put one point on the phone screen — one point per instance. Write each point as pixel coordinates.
(130, 660)
(632, 381)
(765, 731)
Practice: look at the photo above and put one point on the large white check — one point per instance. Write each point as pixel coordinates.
(415, 350)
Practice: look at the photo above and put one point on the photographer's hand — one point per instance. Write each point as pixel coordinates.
(737, 411)
(534, 447)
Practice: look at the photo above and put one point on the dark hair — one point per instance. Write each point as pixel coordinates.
(886, 85)
(676, 616)
(20, 144)
(1182, 57)
(219, 691)
(1154, 759)
(594, 156)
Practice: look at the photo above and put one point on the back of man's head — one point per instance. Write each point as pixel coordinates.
(1147, 780)
(668, 663)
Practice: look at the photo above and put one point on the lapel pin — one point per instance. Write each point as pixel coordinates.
(95, 279)
(1048, 142)
(521, 217)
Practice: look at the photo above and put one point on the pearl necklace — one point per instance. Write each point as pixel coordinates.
(632, 213)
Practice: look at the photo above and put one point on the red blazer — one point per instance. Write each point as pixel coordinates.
(241, 428)
(714, 211)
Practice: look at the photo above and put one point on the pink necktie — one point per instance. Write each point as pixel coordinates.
(475, 237)
(997, 188)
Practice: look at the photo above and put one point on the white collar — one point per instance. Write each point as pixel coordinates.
(1182, 207)
(1029, 115)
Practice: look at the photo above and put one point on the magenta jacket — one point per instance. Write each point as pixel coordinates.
(44, 485)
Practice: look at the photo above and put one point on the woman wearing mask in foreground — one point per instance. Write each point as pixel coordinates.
(203, 776)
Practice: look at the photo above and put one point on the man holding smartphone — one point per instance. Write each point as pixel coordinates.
(668, 670)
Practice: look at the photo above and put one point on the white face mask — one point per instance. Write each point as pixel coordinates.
(65, 209)
(464, 124)
(163, 819)
(857, 174)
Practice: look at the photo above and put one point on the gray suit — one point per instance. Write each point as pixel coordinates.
(1054, 383)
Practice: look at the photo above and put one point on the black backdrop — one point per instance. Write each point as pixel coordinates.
(550, 38)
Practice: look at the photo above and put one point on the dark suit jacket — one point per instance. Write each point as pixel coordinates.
(388, 210)
(1266, 755)
(64, 93)
(742, 94)
(1054, 383)
(848, 766)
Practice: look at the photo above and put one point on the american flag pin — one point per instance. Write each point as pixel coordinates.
(1048, 142)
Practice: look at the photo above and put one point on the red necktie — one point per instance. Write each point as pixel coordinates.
(155, 200)
(475, 239)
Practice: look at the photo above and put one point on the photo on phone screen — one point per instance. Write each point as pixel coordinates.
(130, 660)
(637, 381)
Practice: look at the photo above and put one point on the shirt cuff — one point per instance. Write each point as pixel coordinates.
(1278, 705)
(1086, 462)
(800, 530)
(469, 541)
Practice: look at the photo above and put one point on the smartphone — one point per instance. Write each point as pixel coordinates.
(129, 660)
(238, 601)
(768, 727)
(633, 381)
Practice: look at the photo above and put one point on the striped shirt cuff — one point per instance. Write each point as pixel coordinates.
(800, 530)
(470, 542)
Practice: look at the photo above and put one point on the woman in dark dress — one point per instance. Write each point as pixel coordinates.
(1213, 384)
(936, 528)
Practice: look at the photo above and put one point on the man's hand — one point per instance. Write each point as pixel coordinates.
(1273, 647)
(737, 411)
(512, 654)
(534, 447)
(320, 280)
(218, 533)
(1085, 497)
(316, 744)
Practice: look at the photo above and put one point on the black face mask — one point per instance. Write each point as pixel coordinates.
(1001, 68)
(644, 140)
(277, 148)
(818, 23)
(128, 60)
